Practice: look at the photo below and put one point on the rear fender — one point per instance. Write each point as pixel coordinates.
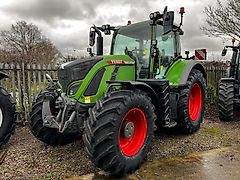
(179, 72)
(227, 80)
(187, 70)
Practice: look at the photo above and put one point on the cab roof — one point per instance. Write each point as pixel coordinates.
(140, 29)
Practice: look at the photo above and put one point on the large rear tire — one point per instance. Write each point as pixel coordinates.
(45, 134)
(119, 132)
(192, 103)
(226, 103)
(8, 116)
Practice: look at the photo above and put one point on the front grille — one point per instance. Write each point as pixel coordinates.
(76, 70)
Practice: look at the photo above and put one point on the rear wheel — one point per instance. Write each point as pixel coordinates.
(119, 132)
(192, 103)
(45, 134)
(226, 103)
(7, 116)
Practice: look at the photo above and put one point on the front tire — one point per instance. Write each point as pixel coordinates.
(192, 103)
(45, 134)
(120, 131)
(8, 116)
(226, 103)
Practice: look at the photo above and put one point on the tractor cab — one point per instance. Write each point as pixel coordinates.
(153, 44)
(234, 70)
(135, 41)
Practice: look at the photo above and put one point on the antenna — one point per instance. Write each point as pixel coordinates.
(182, 11)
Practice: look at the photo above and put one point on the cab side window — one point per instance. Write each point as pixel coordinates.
(166, 48)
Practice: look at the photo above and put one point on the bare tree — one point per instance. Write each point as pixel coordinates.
(7, 56)
(27, 43)
(44, 52)
(223, 19)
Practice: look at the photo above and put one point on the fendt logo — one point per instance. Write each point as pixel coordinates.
(119, 62)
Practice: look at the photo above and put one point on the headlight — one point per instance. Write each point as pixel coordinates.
(74, 88)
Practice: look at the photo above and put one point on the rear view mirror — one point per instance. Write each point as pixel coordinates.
(224, 52)
(89, 50)
(92, 35)
(168, 19)
(165, 38)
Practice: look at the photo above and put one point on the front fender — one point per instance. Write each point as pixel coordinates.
(3, 75)
(138, 85)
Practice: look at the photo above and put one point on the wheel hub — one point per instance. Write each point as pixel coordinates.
(195, 102)
(133, 132)
(128, 129)
(1, 117)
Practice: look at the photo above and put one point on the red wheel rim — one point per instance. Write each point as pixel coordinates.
(131, 146)
(195, 102)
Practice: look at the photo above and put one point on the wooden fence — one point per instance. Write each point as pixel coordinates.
(215, 70)
(26, 80)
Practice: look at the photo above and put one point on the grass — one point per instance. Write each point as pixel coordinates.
(212, 96)
(50, 176)
(227, 144)
(215, 132)
(33, 91)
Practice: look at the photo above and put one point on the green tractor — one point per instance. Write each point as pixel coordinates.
(119, 100)
(7, 114)
(229, 86)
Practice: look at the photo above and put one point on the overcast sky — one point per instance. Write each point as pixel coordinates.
(67, 22)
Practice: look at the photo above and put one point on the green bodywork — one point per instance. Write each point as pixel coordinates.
(175, 72)
(128, 71)
(125, 72)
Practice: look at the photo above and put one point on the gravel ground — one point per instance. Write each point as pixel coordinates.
(28, 158)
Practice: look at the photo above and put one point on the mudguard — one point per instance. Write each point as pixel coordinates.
(188, 68)
(141, 86)
(3, 75)
(179, 72)
(227, 80)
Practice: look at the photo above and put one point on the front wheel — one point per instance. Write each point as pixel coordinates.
(119, 132)
(7, 116)
(45, 134)
(225, 101)
(192, 103)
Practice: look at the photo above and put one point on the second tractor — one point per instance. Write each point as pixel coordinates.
(229, 86)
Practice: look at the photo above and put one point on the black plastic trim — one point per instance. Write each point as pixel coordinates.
(94, 84)
(76, 70)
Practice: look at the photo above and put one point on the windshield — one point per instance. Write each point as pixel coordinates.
(133, 37)
(137, 38)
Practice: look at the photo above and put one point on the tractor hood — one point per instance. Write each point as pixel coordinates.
(76, 70)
